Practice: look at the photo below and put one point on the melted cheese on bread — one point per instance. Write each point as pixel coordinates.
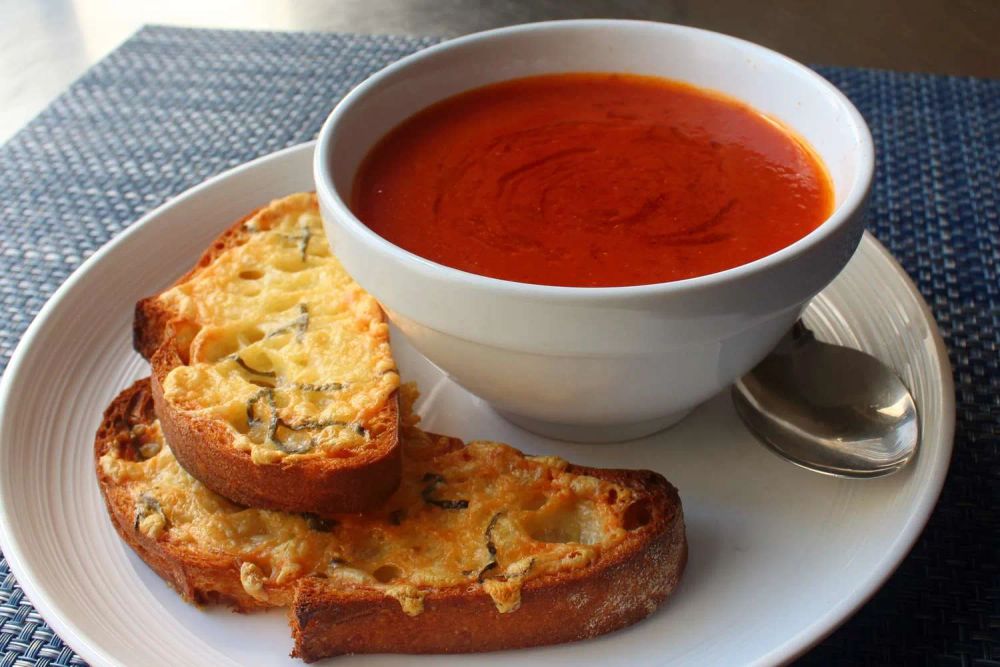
(479, 515)
(285, 348)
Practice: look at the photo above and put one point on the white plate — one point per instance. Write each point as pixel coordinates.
(779, 555)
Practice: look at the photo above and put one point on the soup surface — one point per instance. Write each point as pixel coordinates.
(591, 180)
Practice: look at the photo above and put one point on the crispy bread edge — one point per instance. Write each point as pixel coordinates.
(150, 318)
(199, 577)
(619, 589)
(318, 485)
(321, 485)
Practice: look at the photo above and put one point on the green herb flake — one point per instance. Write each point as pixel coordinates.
(146, 505)
(319, 388)
(304, 241)
(302, 321)
(318, 523)
(490, 547)
(433, 480)
(250, 369)
(299, 325)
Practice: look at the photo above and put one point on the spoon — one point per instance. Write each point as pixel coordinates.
(829, 408)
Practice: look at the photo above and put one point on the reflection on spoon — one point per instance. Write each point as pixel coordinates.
(828, 408)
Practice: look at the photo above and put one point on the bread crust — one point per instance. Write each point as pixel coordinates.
(200, 577)
(321, 486)
(204, 447)
(623, 586)
(150, 320)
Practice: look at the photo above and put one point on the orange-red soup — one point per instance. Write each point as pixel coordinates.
(591, 180)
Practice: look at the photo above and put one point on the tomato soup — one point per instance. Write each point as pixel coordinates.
(591, 180)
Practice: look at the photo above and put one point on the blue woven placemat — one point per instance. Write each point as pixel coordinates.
(172, 107)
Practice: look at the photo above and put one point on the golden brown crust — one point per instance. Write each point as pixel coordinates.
(621, 587)
(319, 485)
(323, 486)
(200, 577)
(151, 321)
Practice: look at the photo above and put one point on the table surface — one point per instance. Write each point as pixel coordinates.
(935, 205)
(46, 44)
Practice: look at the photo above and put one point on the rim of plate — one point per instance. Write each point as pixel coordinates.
(90, 648)
(907, 536)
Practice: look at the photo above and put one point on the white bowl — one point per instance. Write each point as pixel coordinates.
(596, 364)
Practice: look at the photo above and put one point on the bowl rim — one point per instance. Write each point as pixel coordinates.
(853, 201)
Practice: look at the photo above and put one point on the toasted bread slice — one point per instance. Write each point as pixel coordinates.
(272, 373)
(481, 547)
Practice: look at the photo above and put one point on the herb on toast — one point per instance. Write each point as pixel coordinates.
(491, 548)
(433, 480)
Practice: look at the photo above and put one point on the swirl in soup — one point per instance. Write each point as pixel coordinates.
(591, 180)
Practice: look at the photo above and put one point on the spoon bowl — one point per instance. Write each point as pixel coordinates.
(828, 408)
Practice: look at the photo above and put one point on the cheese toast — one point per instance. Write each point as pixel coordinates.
(272, 373)
(480, 548)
